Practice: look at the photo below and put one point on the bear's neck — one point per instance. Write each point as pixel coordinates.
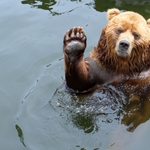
(133, 65)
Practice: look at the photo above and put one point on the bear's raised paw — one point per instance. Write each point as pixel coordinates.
(74, 41)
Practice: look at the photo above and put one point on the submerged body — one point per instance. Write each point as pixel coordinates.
(122, 54)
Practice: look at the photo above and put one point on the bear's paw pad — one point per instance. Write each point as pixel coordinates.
(74, 40)
(75, 34)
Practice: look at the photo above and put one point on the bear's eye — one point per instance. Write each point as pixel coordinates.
(136, 35)
(119, 30)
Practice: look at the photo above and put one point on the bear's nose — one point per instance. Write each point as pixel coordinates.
(124, 45)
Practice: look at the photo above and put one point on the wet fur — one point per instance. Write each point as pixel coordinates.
(138, 61)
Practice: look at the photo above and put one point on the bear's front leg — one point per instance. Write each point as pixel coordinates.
(76, 69)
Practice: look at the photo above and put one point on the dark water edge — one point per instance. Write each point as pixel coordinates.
(139, 6)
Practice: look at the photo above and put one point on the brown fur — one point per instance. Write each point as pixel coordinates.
(112, 13)
(138, 62)
(140, 56)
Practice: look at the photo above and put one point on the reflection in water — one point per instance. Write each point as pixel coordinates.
(85, 122)
(140, 6)
(48, 5)
(41, 4)
(20, 134)
(137, 112)
(88, 111)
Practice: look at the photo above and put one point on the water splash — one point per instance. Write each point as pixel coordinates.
(86, 110)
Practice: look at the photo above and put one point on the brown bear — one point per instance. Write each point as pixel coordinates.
(122, 54)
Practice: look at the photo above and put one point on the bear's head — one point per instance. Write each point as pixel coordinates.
(125, 42)
(128, 31)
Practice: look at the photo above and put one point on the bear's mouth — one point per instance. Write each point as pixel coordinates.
(122, 53)
(123, 48)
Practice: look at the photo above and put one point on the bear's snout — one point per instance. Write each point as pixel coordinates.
(123, 48)
(124, 45)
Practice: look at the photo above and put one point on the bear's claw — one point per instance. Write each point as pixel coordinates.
(75, 40)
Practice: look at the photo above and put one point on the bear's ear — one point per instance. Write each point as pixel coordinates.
(148, 23)
(112, 13)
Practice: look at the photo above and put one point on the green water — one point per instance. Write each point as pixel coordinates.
(36, 112)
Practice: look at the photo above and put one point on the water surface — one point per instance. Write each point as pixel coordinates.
(36, 110)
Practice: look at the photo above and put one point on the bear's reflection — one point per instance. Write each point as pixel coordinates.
(88, 111)
(136, 112)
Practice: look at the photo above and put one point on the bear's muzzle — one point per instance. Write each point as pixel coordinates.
(124, 45)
